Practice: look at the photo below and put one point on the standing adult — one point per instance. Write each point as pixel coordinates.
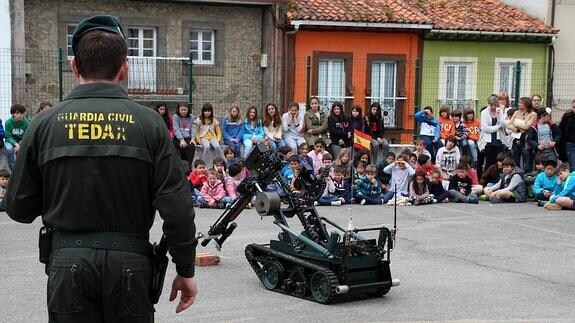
(519, 123)
(100, 268)
(567, 141)
(492, 137)
(339, 129)
(374, 128)
(315, 122)
(537, 102)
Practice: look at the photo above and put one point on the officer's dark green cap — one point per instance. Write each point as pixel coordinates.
(100, 22)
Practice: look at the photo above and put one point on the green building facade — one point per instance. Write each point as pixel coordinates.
(464, 73)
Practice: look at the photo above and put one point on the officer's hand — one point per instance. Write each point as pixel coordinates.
(188, 290)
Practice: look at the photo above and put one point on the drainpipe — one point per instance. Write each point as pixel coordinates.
(551, 59)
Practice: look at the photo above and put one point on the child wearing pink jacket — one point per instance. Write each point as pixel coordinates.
(213, 193)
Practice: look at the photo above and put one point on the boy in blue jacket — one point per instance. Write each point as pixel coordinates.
(563, 196)
(429, 130)
(545, 183)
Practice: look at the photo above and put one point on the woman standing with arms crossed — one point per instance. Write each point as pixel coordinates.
(273, 127)
(519, 123)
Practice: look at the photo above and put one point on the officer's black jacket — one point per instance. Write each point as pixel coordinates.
(100, 162)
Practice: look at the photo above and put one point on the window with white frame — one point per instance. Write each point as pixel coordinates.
(141, 42)
(505, 78)
(331, 81)
(457, 82)
(202, 46)
(142, 58)
(383, 89)
(69, 32)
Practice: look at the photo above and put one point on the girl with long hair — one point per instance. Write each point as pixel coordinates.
(208, 133)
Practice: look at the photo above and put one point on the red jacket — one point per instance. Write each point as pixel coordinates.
(196, 179)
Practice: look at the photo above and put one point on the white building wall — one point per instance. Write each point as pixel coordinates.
(534, 8)
(5, 60)
(564, 76)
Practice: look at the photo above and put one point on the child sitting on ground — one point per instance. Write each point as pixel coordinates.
(328, 197)
(545, 183)
(436, 187)
(493, 173)
(293, 166)
(460, 186)
(303, 154)
(530, 177)
(401, 173)
(213, 193)
(418, 190)
(383, 177)
(420, 149)
(231, 156)
(4, 179)
(234, 180)
(367, 190)
(564, 194)
(341, 184)
(475, 186)
(198, 176)
(511, 187)
(448, 157)
(424, 165)
(316, 155)
(344, 161)
(359, 171)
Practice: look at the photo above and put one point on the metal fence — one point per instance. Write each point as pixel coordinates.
(33, 76)
(399, 86)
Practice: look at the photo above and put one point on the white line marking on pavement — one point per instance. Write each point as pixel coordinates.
(508, 221)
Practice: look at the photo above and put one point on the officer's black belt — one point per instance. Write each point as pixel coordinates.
(101, 240)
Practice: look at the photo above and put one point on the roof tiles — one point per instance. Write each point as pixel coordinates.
(475, 15)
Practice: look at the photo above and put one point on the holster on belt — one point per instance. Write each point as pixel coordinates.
(159, 267)
(45, 246)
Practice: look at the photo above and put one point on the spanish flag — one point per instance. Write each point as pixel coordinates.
(361, 140)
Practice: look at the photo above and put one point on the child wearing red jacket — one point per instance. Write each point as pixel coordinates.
(213, 194)
(198, 176)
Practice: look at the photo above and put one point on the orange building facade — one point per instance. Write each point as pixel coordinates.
(358, 68)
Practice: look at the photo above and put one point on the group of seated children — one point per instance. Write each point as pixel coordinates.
(408, 179)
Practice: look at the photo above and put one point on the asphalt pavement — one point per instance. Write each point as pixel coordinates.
(456, 262)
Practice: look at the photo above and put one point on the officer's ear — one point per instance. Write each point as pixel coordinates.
(123, 73)
(74, 68)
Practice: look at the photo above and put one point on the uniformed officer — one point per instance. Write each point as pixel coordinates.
(96, 167)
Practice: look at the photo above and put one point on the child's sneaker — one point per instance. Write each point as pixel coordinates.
(362, 202)
(541, 203)
(228, 205)
(484, 197)
(315, 203)
(336, 203)
(552, 206)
